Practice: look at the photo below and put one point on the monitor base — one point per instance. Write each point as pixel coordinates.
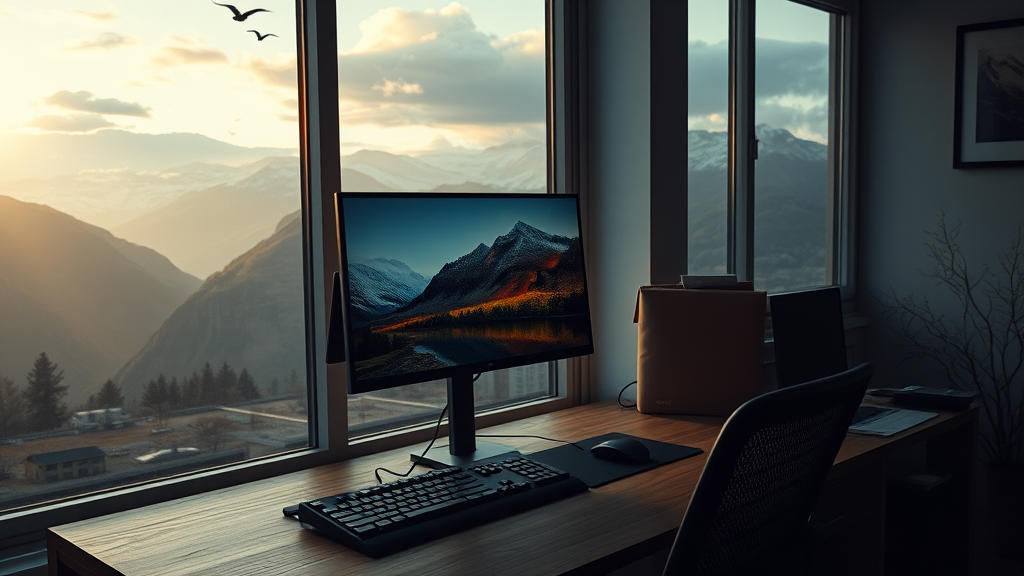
(440, 457)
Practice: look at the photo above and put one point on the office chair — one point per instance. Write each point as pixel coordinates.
(749, 511)
(808, 334)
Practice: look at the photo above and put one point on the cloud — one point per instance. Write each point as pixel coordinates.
(394, 28)
(185, 55)
(280, 72)
(97, 15)
(85, 102)
(104, 41)
(791, 84)
(390, 88)
(436, 68)
(70, 123)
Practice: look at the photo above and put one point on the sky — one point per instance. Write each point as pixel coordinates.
(428, 75)
(149, 66)
(427, 233)
(791, 82)
(185, 66)
(468, 74)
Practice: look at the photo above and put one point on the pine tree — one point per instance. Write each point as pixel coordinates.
(293, 385)
(192, 391)
(155, 397)
(227, 384)
(44, 395)
(12, 409)
(174, 393)
(109, 396)
(274, 388)
(247, 386)
(208, 384)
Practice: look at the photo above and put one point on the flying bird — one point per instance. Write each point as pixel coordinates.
(241, 16)
(260, 37)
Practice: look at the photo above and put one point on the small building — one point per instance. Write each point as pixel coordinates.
(104, 419)
(65, 464)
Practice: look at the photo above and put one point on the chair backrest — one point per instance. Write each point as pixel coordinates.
(749, 511)
(810, 342)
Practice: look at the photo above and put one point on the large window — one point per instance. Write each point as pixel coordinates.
(167, 175)
(768, 169)
(445, 98)
(151, 307)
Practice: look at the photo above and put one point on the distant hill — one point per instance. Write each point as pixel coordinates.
(790, 178)
(203, 230)
(47, 155)
(250, 315)
(109, 198)
(516, 166)
(79, 294)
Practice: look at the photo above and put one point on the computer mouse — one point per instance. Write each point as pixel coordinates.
(622, 450)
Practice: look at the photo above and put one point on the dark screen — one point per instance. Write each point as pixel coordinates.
(809, 339)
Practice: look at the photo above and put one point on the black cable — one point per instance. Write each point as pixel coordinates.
(437, 428)
(529, 436)
(621, 405)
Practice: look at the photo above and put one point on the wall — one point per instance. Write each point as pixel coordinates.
(620, 183)
(906, 155)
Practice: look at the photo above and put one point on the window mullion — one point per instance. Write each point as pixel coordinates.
(742, 142)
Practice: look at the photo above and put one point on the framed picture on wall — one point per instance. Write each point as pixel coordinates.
(988, 129)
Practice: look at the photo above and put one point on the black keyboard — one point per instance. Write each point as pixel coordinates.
(386, 518)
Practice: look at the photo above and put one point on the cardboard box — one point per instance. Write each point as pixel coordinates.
(699, 351)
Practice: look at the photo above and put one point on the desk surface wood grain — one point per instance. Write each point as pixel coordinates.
(240, 530)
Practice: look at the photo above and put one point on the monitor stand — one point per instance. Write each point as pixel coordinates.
(462, 449)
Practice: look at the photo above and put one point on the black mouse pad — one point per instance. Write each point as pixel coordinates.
(596, 472)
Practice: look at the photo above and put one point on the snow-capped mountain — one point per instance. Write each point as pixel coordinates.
(708, 150)
(381, 285)
(524, 260)
(513, 166)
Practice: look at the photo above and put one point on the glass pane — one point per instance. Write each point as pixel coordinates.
(708, 135)
(792, 126)
(151, 299)
(446, 97)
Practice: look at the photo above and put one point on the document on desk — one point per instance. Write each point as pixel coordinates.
(892, 422)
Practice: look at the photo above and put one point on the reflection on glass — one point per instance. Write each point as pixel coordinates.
(151, 308)
(707, 136)
(792, 121)
(446, 97)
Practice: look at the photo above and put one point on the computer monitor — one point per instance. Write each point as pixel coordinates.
(446, 286)
(810, 341)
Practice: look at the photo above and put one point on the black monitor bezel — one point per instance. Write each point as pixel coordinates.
(358, 385)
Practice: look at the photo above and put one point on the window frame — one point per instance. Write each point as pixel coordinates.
(320, 160)
(840, 201)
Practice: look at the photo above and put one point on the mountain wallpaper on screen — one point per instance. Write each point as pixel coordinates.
(522, 294)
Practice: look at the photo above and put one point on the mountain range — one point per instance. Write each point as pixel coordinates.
(791, 186)
(524, 264)
(100, 305)
(250, 315)
(76, 292)
(202, 230)
(42, 156)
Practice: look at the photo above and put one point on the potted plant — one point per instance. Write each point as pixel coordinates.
(977, 345)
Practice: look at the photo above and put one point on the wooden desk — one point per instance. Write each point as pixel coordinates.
(240, 530)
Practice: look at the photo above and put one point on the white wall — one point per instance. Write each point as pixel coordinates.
(906, 155)
(620, 182)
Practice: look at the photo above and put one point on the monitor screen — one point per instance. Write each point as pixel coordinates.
(443, 285)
